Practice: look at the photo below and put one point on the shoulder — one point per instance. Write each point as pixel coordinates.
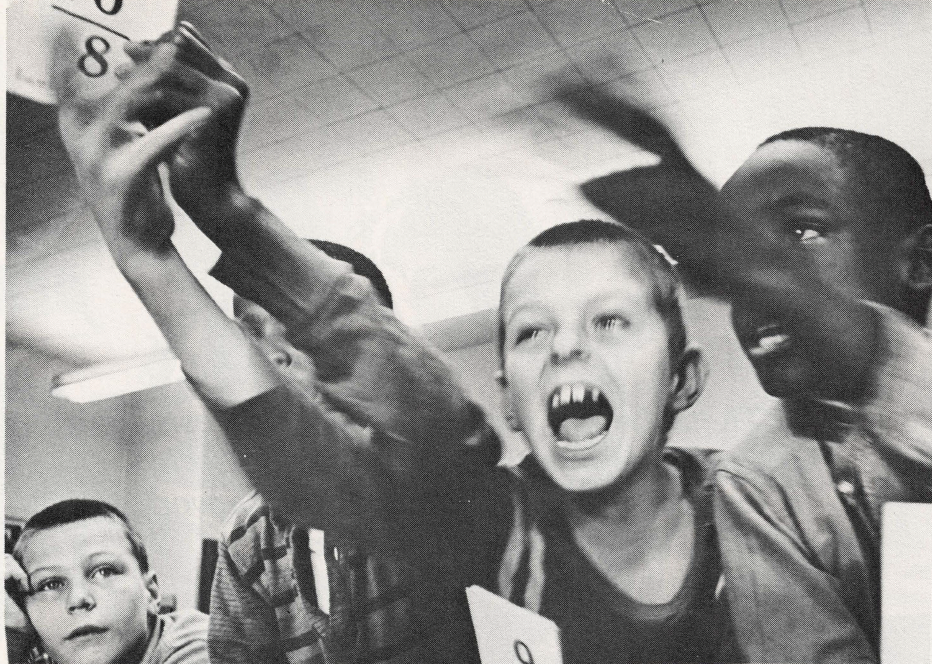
(772, 450)
(252, 514)
(251, 529)
(183, 638)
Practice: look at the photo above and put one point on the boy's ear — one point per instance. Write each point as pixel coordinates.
(508, 409)
(688, 380)
(155, 595)
(918, 272)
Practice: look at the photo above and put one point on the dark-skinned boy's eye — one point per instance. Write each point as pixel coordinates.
(807, 232)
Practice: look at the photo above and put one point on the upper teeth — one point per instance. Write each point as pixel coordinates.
(573, 393)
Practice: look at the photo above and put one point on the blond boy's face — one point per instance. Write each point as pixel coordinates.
(89, 601)
(587, 374)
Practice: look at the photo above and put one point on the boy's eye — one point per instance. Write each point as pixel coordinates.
(805, 232)
(47, 585)
(612, 322)
(528, 334)
(104, 571)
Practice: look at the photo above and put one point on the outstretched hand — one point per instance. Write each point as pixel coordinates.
(116, 158)
(721, 252)
(202, 170)
(675, 205)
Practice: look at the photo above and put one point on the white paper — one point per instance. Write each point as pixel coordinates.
(93, 34)
(509, 634)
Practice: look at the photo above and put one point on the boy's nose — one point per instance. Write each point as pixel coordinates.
(80, 598)
(568, 345)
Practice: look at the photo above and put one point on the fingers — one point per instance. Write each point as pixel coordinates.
(162, 86)
(15, 574)
(193, 51)
(197, 53)
(154, 147)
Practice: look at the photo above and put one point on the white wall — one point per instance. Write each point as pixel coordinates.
(141, 452)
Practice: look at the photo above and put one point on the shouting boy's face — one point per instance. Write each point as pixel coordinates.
(90, 603)
(587, 374)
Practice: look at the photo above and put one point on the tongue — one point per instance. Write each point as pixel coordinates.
(576, 429)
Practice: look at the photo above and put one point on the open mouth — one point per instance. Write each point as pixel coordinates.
(767, 339)
(579, 415)
(86, 630)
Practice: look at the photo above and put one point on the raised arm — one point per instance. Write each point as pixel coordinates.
(308, 452)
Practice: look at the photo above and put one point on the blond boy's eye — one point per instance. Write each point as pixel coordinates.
(105, 571)
(49, 585)
(528, 334)
(612, 323)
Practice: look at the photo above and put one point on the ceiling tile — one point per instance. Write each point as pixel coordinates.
(259, 86)
(572, 22)
(350, 44)
(290, 159)
(833, 34)
(533, 80)
(893, 18)
(411, 23)
(426, 116)
(802, 10)
(639, 11)
(453, 60)
(274, 119)
(645, 87)
(609, 57)
(314, 15)
(484, 97)
(514, 39)
(290, 63)
(699, 75)
(235, 26)
(392, 80)
(763, 56)
(562, 121)
(373, 132)
(333, 99)
(675, 37)
(735, 20)
(528, 123)
(481, 12)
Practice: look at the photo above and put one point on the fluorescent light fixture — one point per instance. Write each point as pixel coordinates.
(112, 379)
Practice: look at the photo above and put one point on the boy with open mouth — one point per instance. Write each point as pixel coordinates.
(602, 529)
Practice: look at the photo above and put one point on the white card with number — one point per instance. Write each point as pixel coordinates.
(510, 634)
(88, 34)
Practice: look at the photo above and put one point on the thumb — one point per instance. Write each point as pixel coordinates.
(153, 147)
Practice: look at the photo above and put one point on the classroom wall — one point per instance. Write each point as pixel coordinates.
(56, 449)
(142, 452)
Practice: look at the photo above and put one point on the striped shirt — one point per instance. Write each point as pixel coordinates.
(266, 600)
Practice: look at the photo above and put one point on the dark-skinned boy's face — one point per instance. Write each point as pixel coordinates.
(800, 190)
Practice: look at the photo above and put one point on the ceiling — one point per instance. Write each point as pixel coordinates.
(420, 132)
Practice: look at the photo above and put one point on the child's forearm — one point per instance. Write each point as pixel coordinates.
(222, 363)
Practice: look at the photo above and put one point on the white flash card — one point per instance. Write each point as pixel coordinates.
(906, 584)
(509, 634)
(88, 34)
